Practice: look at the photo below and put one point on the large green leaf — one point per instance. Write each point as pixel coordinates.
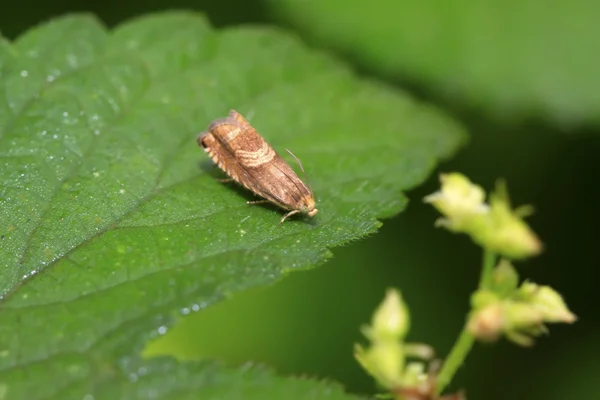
(112, 220)
(513, 59)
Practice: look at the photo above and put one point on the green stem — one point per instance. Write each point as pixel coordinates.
(455, 359)
(465, 340)
(489, 260)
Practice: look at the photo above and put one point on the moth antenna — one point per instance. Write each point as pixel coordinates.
(301, 168)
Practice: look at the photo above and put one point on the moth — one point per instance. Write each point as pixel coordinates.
(242, 153)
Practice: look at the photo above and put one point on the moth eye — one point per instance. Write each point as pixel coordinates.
(203, 143)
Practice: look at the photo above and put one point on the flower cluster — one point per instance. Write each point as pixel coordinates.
(519, 312)
(501, 306)
(494, 225)
(386, 358)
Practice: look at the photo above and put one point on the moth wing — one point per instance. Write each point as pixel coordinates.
(280, 184)
(239, 118)
(225, 160)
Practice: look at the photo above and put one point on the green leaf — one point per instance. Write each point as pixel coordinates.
(112, 220)
(513, 59)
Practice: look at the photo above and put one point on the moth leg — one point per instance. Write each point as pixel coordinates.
(257, 202)
(225, 180)
(289, 215)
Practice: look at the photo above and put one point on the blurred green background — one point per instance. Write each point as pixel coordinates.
(307, 323)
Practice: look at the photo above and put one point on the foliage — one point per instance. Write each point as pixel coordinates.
(113, 221)
(511, 59)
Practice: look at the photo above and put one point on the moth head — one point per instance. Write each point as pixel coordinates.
(308, 206)
(206, 140)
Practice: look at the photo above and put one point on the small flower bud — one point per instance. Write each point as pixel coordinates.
(487, 323)
(505, 279)
(548, 302)
(459, 200)
(419, 350)
(523, 322)
(415, 375)
(521, 315)
(483, 298)
(384, 361)
(391, 319)
(506, 233)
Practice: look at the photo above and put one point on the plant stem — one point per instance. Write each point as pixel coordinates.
(489, 260)
(455, 359)
(465, 340)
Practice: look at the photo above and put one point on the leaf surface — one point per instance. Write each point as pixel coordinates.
(112, 219)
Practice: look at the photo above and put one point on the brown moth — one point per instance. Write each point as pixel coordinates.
(239, 150)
